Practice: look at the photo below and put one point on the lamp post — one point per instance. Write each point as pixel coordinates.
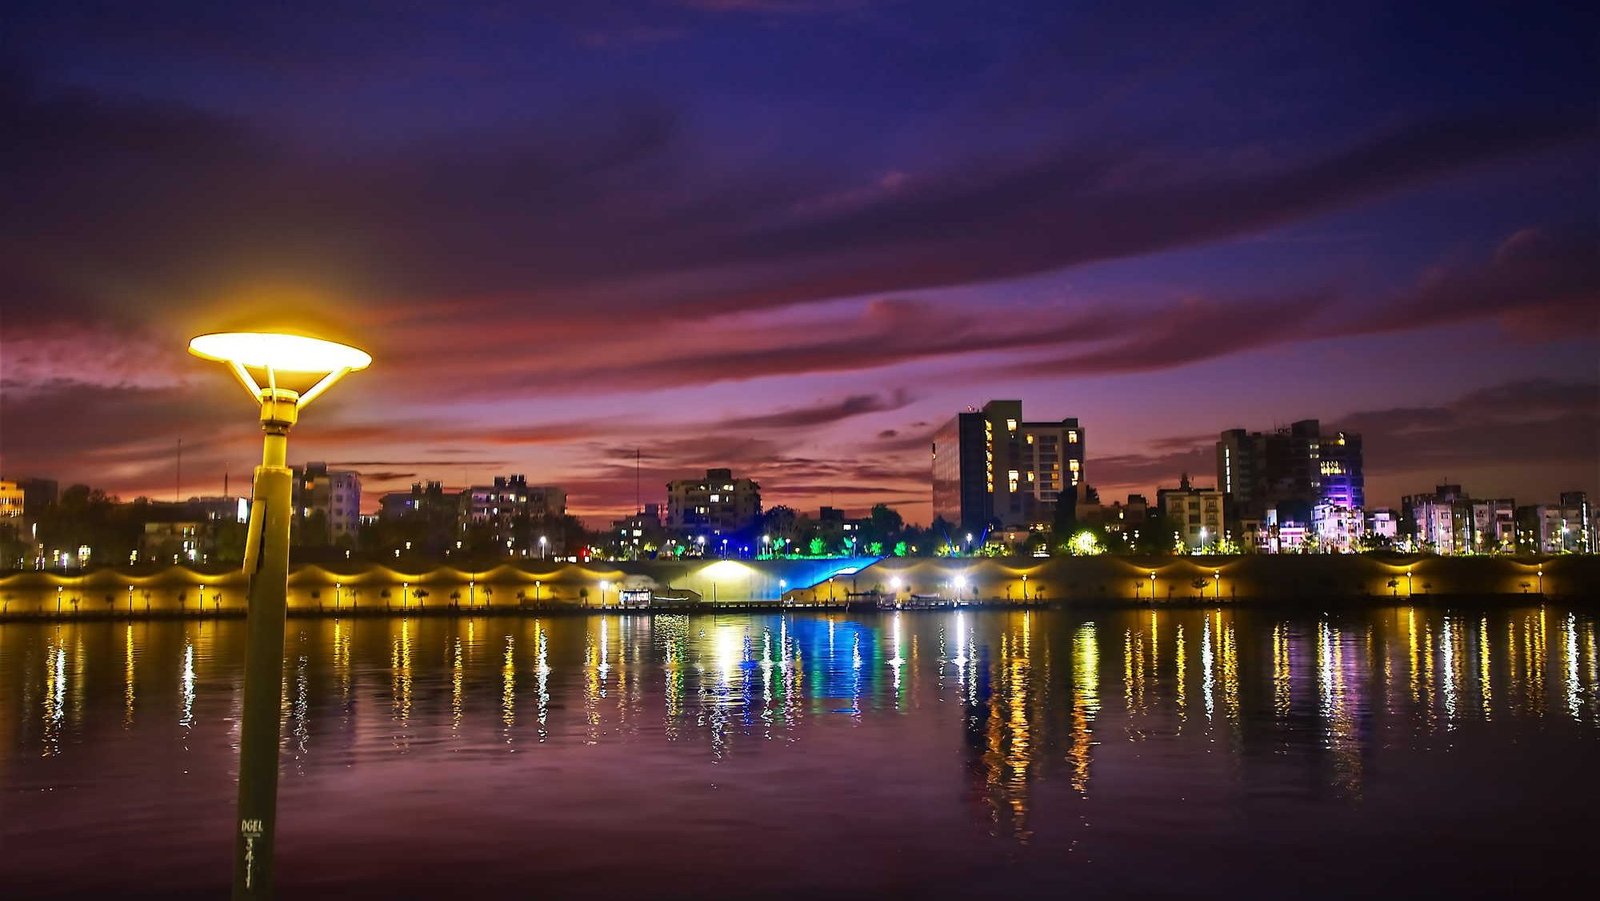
(544, 545)
(266, 561)
(1216, 581)
(1408, 581)
(1541, 581)
(1024, 587)
(1152, 585)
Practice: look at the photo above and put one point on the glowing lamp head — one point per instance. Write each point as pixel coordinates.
(279, 352)
(273, 353)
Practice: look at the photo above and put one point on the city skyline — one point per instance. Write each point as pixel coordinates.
(566, 236)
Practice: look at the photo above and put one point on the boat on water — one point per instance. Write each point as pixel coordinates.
(916, 602)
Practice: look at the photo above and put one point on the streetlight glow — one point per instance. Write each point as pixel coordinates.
(290, 353)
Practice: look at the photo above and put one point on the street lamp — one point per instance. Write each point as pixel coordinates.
(1216, 580)
(961, 588)
(266, 561)
(1024, 586)
(544, 543)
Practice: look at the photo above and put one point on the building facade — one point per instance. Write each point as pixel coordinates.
(327, 505)
(1275, 480)
(11, 498)
(1493, 525)
(509, 512)
(1561, 528)
(1437, 521)
(991, 466)
(1383, 523)
(717, 503)
(1197, 516)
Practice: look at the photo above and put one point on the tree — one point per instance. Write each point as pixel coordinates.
(1085, 543)
(1394, 586)
(1065, 521)
(885, 523)
(818, 547)
(1155, 535)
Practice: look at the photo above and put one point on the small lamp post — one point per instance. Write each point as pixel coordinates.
(266, 560)
(1024, 586)
(1216, 581)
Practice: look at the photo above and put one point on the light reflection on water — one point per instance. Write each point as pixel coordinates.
(975, 731)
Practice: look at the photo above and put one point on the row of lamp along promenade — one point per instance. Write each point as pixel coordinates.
(182, 591)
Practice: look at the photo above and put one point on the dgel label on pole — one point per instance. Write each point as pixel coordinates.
(250, 830)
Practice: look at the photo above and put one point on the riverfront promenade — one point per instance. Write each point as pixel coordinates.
(820, 583)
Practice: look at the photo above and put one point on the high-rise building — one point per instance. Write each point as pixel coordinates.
(991, 466)
(327, 504)
(1343, 479)
(1282, 476)
(717, 503)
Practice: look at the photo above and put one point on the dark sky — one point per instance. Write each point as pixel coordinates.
(792, 237)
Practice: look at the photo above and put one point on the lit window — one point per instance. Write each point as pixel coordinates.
(1011, 425)
(1072, 436)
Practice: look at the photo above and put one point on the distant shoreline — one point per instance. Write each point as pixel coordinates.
(992, 605)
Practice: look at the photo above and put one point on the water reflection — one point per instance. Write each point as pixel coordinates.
(1035, 703)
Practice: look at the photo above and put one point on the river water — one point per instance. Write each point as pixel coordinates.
(1253, 752)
